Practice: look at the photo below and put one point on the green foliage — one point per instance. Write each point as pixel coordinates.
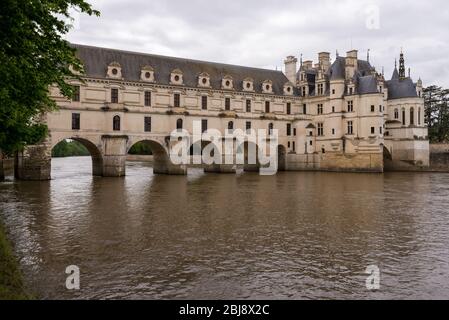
(437, 113)
(140, 148)
(11, 283)
(33, 57)
(69, 149)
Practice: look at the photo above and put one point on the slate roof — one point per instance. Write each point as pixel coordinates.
(337, 69)
(401, 89)
(367, 84)
(96, 61)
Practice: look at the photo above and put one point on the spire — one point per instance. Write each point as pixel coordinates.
(401, 66)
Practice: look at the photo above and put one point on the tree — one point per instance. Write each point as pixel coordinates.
(33, 57)
(437, 113)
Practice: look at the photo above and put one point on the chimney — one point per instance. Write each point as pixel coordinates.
(308, 64)
(351, 63)
(291, 68)
(324, 59)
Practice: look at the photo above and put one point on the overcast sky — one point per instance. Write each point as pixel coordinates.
(261, 33)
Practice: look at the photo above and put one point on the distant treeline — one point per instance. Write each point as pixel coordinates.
(437, 113)
(69, 148)
(72, 148)
(140, 148)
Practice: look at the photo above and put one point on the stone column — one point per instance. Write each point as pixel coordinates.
(6, 168)
(34, 163)
(114, 158)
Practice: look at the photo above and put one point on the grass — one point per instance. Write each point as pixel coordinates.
(11, 282)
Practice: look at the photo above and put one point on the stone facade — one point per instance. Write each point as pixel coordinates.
(341, 115)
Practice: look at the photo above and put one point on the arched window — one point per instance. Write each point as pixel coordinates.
(412, 116)
(270, 129)
(403, 116)
(231, 126)
(116, 123)
(179, 124)
(396, 113)
(419, 116)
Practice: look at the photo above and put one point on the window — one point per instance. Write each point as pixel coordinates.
(303, 91)
(177, 100)
(350, 128)
(294, 131)
(204, 102)
(267, 106)
(333, 131)
(419, 116)
(320, 130)
(311, 142)
(227, 103)
(396, 113)
(289, 108)
(372, 130)
(76, 93)
(372, 108)
(403, 116)
(380, 130)
(289, 129)
(179, 124)
(231, 126)
(114, 95)
(270, 128)
(320, 89)
(333, 91)
(351, 91)
(294, 146)
(304, 108)
(147, 124)
(116, 123)
(248, 105)
(350, 106)
(204, 125)
(75, 121)
(320, 108)
(288, 144)
(412, 116)
(147, 98)
(248, 125)
(381, 109)
(333, 109)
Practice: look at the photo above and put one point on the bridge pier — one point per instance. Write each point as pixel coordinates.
(34, 163)
(114, 156)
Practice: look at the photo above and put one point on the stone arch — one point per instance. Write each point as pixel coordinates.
(95, 152)
(161, 159)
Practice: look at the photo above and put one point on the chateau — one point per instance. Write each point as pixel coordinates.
(338, 115)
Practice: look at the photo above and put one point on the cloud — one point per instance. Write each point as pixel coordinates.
(262, 33)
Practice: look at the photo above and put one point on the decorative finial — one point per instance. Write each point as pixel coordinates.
(395, 63)
(401, 66)
(409, 72)
(336, 53)
(383, 71)
(300, 59)
(367, 55)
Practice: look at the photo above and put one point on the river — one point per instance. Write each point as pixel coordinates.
(296, 235)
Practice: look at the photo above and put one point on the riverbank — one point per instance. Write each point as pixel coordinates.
(11, 282)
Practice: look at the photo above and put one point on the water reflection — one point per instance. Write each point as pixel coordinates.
(293, 235)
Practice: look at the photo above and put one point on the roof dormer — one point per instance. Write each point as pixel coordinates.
(204, 80)
(227, 82)
(176, 77)
(248, 84)
(147, 74)
(288, 88)
(267, 86)
(114, 70)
